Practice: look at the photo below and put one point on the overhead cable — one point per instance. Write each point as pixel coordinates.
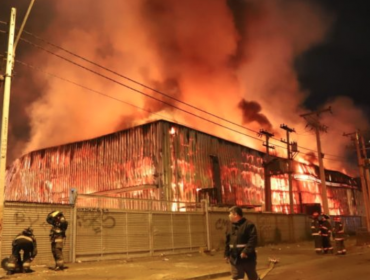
(137, 91)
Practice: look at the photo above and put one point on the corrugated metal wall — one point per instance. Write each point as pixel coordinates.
(101, 233)
(18, 216)
(166, 161)
(272, 228)
(241, 168)
(106, 233)
(130, 158)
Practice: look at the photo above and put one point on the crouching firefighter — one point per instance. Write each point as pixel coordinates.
(57, 236)
(26, 242)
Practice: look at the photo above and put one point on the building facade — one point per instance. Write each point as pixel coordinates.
(165, 161)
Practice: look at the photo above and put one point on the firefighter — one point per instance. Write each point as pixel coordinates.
(338, 235)
(316, 233)
(57, 237)
(26, 242)
(325, 229)
(241, 240)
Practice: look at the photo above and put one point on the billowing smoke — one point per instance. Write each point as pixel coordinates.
(252, 113)
(210, 53)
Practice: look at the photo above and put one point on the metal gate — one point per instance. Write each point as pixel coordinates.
(18, 216)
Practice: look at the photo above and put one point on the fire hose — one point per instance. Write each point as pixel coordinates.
(272, 263)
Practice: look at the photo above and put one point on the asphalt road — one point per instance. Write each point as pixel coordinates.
(355, 266)
(297, 261)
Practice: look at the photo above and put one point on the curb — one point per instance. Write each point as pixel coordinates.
(209, 276)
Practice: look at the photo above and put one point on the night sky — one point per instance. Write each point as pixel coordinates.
(337, 66)
(340, 66)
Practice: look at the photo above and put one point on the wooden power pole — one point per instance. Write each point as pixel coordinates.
(355, 137)
(268, 202)
(313, 121)
(290, 171)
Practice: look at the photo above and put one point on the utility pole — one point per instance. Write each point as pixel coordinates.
(23, 24)
(6, 100)
(268, 202)
(315, 123)
(355, 137)
(366, 165)
(5, 115)
(289, 157)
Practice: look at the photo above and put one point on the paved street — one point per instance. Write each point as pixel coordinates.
(349, 267)
(297, 262)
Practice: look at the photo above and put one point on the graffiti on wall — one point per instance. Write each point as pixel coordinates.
(221, 224)
(96, 219)
(22, 218)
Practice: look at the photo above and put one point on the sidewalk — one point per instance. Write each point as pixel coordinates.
(197, 266)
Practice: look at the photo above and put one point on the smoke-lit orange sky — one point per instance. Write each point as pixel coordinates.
(255, 63)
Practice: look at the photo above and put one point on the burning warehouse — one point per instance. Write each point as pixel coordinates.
(164, 161)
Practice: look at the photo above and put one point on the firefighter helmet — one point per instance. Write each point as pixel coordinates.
(326, 217)
(53, 217)
(28, 231)
(4, 264)
(57, 219)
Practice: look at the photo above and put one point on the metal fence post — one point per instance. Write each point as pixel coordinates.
(151, 234)
(74, 224)
(205, 205)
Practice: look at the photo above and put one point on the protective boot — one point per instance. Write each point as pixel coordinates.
(27, 267)
(59, 264)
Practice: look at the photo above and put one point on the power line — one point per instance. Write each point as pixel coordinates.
(87, 88)
(344, 158)
(147, 87)
(108, 96)
(136, 90)
(138, 83)
(69, 52)
(332, 159)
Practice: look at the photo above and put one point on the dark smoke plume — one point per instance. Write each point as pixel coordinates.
(252, 113)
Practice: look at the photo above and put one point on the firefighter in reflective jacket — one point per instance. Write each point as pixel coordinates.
(57, 237)
(338, 234)
(26, 242)
(316, 233)
(325, 228)
(241, 240)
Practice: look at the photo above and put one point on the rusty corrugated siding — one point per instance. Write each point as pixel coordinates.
(164, 161)
(241, 168)
(124, 159)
